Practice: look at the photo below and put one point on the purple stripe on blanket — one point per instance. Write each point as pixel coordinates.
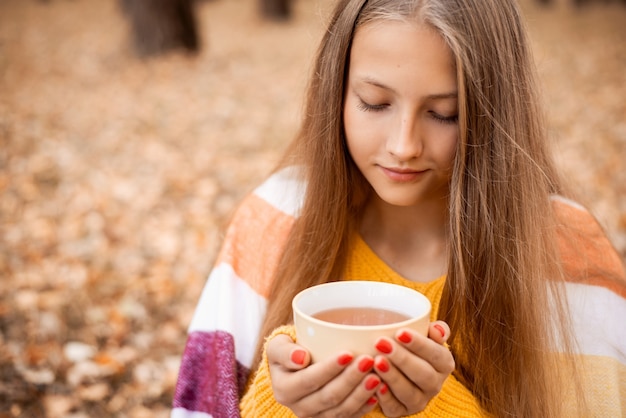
(210, 379)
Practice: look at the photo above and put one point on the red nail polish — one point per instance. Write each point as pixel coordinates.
(440, 329)
(298, 357)
(372, 401)
(371, 382)
(405, 337)
(344, 359)
(384, 346)
(383, 389)
(366, 364)
(382, 365)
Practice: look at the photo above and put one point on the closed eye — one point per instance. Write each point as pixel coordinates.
(444, 119)
(362, 105)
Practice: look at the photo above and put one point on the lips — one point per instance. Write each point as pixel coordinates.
(402, 174)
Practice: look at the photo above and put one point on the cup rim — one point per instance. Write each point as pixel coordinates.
(335, 325)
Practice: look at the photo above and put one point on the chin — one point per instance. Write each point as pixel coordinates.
(399, 200)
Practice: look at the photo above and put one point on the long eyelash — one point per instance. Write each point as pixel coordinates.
(445, 119)
(370, 108)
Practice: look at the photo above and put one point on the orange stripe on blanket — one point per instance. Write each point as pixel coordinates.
(254, 242)
(587, 253)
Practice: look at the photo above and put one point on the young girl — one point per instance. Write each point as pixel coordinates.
(421, 161)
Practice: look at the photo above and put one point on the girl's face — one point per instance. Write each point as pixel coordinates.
(401, 111)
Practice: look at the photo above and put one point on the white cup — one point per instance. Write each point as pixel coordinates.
(325, 339)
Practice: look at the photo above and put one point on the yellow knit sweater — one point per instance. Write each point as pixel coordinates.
(454, 400)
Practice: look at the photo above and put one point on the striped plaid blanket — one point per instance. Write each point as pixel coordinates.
(223, 333)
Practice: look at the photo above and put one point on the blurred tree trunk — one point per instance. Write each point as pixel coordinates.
(159, 26)
(275, 9)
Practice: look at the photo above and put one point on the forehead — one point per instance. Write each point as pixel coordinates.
(401, 48)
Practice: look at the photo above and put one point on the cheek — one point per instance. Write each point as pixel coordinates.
(356, 148)
(352, 119)
(448, 147)
(348, 129)
(358, 135)
(452, 148)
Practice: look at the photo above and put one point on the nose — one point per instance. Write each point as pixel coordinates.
(405, 143)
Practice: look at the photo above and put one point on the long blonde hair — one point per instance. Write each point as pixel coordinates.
(503, 249)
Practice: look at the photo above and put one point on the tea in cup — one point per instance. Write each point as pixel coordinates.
(351, 315)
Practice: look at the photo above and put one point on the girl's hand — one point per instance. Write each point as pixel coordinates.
(413, 369)
(342, 386)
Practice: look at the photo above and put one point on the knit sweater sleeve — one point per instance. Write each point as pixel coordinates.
(259, 400)
(454, 400)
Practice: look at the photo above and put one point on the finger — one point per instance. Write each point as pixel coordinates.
(407, 369)
(284, 352)
(365, 409)
(293, 387)
(432, 352)
(439, 331)
(348, 393)
(389, 404)
(404, 394)
(361, 400)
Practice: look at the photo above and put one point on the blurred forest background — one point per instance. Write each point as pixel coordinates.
(118, 173)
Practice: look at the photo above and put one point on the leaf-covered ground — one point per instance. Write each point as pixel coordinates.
(118, 174)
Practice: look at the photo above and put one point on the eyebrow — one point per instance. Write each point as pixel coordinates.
(436, 96)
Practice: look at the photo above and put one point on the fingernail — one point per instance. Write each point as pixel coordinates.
(366, 364)
(384, 346)
(372, 382)
(405, 337)
(372, 401)
(440, 329)
(298, 356)
(382, 365)
(383, 389)
(344, 359)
